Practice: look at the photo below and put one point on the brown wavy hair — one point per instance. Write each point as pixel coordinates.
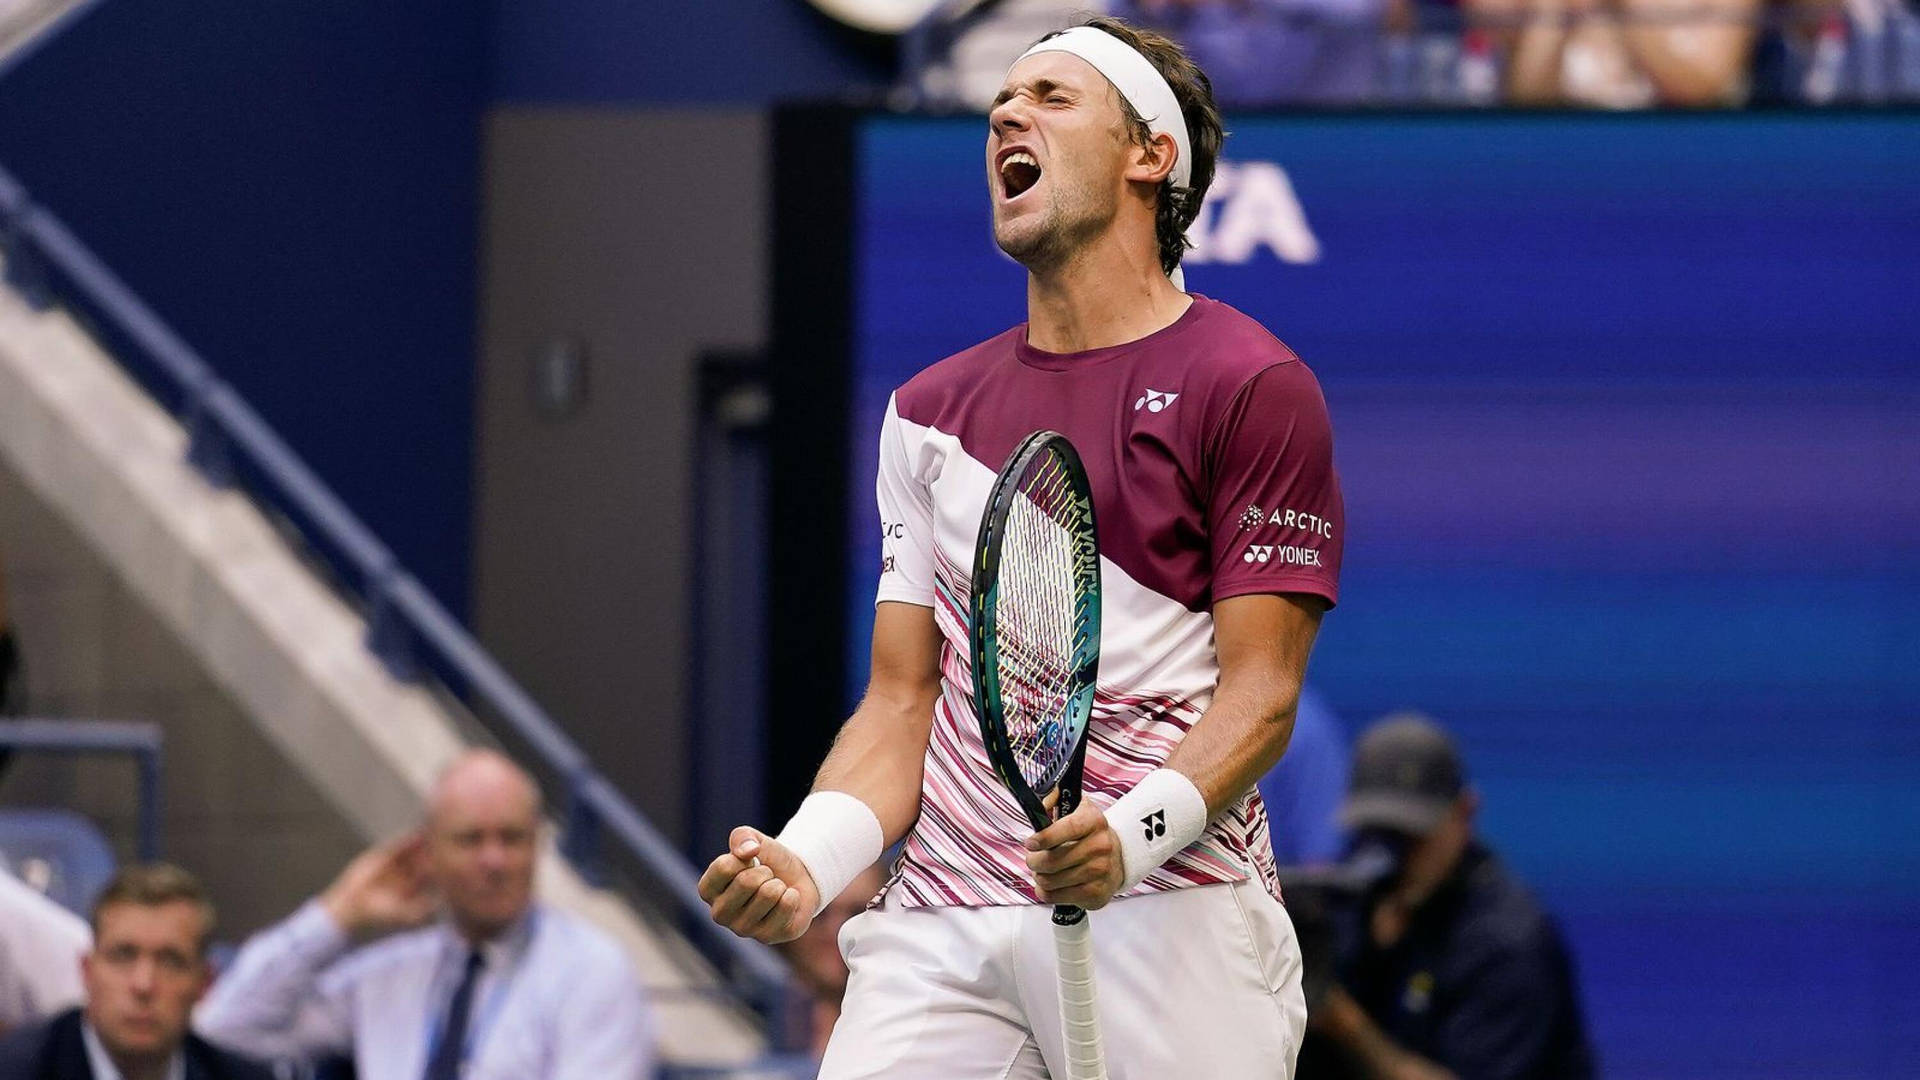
(1177, 207)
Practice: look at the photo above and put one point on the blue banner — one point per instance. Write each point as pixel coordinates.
(1627, 411)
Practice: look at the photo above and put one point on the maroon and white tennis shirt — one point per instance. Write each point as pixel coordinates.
(1211, 459)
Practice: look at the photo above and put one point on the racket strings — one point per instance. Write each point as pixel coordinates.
(1036, 618)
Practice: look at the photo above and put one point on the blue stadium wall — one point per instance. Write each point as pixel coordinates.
(296, 188)
(1626, 411)
(293, 187)
(732, 52)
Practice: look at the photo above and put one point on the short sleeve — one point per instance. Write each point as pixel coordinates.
(1275, 519)
(906, 514)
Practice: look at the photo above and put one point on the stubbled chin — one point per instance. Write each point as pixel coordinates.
(1019, 238)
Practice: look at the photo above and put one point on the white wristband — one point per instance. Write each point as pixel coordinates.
(1161, 815)
(837, 836)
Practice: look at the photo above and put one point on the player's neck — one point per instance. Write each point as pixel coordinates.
(1103, 295)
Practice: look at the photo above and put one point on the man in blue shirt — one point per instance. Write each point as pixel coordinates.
(473, 979)
(1460, 972)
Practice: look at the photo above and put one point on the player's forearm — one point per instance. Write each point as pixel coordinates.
(880, 755)
(1240, 736)
(1263, 642)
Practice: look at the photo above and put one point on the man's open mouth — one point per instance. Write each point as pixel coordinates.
(1018, 173)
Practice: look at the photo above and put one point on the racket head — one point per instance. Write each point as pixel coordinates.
(1035, 629)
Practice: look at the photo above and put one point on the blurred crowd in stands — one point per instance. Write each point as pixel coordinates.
(1604, 54)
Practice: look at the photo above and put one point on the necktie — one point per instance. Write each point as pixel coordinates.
(451, 1047)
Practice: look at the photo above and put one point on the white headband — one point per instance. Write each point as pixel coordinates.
(1137, 80)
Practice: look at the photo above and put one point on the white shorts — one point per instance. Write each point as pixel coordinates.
(1201, 982)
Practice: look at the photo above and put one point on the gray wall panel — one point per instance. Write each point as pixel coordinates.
(234, 810)
(642, 235)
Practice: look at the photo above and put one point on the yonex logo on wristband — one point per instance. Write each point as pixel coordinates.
(1156, 824)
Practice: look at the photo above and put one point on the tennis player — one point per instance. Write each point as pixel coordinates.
(1220, 525)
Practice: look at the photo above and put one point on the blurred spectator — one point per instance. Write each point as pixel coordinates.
(1270, 52)
(40, 948)
(1629, 54)
(1303, 792)
(1800, 58)
(498, 987)
(966, 53)
(146, 969)
(1459, 971)
(816, 957)
(1883, 55)
(1826, 52)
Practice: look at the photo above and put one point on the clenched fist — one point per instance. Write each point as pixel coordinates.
(759, 889)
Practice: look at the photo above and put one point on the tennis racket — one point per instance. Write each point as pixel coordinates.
(1036, 656)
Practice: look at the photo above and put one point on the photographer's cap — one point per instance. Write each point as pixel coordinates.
(1406, 776)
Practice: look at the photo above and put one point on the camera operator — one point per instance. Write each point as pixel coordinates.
(1453, 968)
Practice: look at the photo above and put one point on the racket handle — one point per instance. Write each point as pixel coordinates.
(1073, 949)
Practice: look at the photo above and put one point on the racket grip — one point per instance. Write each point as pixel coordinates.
(1080, 1023)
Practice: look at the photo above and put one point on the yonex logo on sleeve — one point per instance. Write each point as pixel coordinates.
(1156, 824)
(1290, 555)
(1154, 401)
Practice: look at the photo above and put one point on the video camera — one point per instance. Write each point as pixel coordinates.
(1330, 905)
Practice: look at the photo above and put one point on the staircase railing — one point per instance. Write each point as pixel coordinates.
(407, 628)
